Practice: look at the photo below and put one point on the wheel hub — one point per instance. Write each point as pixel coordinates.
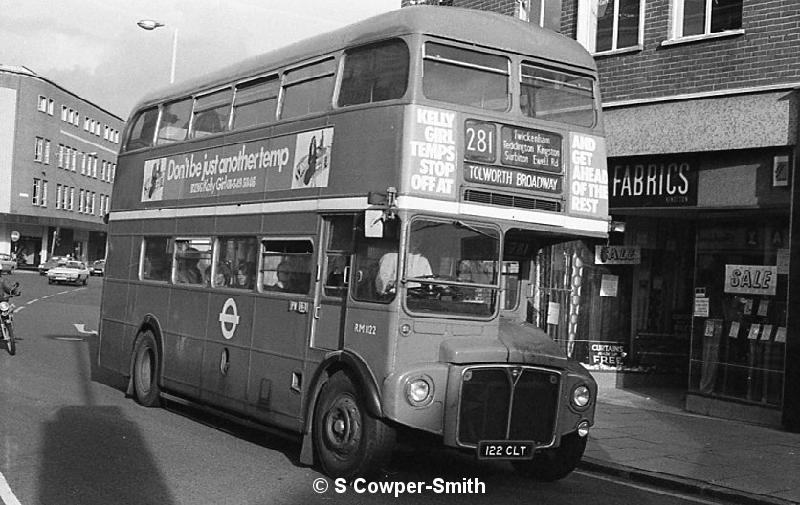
(343, 425)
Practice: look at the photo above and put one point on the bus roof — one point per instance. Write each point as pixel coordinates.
(478, 27)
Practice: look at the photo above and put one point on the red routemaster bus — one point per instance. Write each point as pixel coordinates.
(340, 239)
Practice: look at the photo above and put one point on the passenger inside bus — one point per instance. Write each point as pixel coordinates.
(245, 275)
(188, 271)
(222, 277)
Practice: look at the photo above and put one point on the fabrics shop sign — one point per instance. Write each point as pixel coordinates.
(652, 181)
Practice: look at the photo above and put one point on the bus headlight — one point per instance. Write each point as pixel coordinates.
(581, 397)
(419, 391)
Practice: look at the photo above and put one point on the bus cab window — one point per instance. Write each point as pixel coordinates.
(143, 130)
(174, 121)
(286, 266)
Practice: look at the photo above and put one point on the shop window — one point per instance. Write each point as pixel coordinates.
(739, 317)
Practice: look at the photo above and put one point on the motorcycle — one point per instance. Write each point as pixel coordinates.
(6, 325)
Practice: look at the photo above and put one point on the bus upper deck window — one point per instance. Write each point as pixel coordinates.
(308, 89)
(143, 130)
(174, 123)
(555, 95)
(466, 77)
(211, 113)
(374, 73)
(256, 102)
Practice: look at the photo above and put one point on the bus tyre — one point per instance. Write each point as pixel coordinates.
(348, 441)
(145, 371)
(554, 464)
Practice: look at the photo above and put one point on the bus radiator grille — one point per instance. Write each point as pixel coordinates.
(495, 406)
(505, 200)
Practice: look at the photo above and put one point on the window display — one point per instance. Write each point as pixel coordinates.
(739, 323)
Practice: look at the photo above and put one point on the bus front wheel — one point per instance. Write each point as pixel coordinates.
(554, 464)
(145, 371)
(348, 441)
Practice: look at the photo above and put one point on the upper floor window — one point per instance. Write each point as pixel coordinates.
(211, 113)
(38, 151)
(42, 104)
(374, 73)
(256, 102)
(461, 76)
(610, 25)
(308, 89)
(704, 17)
(544, 13)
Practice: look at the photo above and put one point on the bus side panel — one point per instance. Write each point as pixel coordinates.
(366, 151)
(179, 311)
(370, 331)
(280, 333)
(113, 355)
(226, 358)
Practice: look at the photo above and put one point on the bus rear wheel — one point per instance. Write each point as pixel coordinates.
(145, 371)
(348, 441)
(554, 464)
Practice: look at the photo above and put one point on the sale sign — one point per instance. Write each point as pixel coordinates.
(751, 279)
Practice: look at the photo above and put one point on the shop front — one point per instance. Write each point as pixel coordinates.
(701, 274)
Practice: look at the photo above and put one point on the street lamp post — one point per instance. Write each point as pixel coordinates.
(150, 25)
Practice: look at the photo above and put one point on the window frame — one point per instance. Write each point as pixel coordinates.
(269, 79)
(586, 32)
(357, 50)
(677, 22)
(297, 76)
(261, 264)
(199, 108)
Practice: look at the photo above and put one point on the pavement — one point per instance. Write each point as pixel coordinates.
(645, 435)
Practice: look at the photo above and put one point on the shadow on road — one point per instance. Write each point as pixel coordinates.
(93, 456)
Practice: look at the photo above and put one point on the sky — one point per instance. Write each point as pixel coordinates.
(95, 49)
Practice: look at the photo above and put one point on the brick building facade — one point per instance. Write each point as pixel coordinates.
(701, 109)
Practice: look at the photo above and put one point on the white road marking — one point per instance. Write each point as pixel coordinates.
(6, 494)
(82, 329)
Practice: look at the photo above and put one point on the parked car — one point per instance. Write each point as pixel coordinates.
(98, 268)
(53, 262)
(71, 271)
(7, 263)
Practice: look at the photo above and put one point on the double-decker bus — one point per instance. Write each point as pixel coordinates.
(339, 239)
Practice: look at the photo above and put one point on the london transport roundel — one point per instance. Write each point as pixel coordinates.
(229, 318)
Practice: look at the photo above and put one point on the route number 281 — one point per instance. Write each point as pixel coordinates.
(480, 141)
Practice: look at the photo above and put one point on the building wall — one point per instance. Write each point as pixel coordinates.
(21, 90)
(764, 55)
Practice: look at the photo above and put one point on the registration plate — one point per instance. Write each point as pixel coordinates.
(505, 449)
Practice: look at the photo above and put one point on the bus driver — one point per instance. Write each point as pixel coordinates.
(418, 266)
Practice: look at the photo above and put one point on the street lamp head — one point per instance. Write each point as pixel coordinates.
(149, 24)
